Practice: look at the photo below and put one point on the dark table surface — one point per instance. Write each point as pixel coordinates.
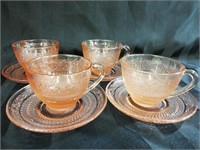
(112, 129)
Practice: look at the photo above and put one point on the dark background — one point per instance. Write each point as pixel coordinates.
(168, 28)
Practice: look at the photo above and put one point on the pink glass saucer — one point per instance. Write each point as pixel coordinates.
(179, 108)
(14, 72)
(23, 110)
(115, 72)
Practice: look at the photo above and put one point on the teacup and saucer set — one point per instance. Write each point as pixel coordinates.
(25, 50)
(106, 53)
(60, 96)
(148, 89)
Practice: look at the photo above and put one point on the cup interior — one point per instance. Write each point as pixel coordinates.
(58, 65)
(26, 50)
(35, 43)
(100, 43)
(146, 63)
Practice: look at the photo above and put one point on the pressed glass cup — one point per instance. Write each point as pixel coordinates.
(150, 79)
(26, 50)
(104, 52)
(59, 81)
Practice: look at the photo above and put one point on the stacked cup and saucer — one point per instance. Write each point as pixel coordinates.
(149, 89)
(24, 51)
(107, 53)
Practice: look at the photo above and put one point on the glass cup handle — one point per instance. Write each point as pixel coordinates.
(99, 77)
(127, 49)
(194, 76)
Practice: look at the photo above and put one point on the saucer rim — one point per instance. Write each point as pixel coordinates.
(110, 78)
(29, 127)
(156, 121)
(7, 76)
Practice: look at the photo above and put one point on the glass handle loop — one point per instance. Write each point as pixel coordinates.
(127, 49)
(194, 76)
(99, 77)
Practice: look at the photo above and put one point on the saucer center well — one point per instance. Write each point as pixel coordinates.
(161, 106)
(42, 109)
